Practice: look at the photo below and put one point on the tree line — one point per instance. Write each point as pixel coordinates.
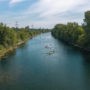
(73, 33)
(10, 37)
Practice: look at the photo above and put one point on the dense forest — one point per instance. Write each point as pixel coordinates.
(12, 37)
(74, 34)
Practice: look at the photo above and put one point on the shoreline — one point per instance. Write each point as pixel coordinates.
(74, 45)
(5, 51)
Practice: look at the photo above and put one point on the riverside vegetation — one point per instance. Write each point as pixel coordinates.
(75, 34)
(10, 38)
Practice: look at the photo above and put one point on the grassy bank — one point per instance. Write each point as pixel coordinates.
(11, 38)
(5, 51)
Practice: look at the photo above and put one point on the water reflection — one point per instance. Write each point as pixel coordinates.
(86, 56)
(30, 68)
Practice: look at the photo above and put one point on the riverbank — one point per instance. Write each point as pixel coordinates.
(81, 48)
(73, 34)
(11, 38)
(73, 45)
(5, 51)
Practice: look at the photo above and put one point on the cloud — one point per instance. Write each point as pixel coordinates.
(54, 7)
(59, 10)
(47, 13)
(15, 1)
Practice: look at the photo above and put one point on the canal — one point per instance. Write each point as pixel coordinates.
(44, 63)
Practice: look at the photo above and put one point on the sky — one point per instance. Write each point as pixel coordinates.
(42, 13)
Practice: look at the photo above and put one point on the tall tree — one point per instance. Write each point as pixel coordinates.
(87, 22)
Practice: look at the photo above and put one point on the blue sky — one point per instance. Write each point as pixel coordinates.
(42, 13)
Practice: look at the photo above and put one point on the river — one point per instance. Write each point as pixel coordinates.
(44, 63)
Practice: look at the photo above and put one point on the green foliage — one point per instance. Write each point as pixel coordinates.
(81, 40)
(87, 28)
(1, 47)
(87, 20)
(13, 36)
(7, 36)
(69, 32)
(73, 33)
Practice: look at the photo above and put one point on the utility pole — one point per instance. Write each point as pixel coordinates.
(16, 25)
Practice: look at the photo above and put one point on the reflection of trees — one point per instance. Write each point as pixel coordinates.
(86, 56)
(86, 64)
(6, 78)
(5, 64)
(9, 78)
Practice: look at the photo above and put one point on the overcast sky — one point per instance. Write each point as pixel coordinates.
(42, 13)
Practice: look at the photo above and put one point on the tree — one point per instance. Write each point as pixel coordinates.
(87, 28)
(87, 22)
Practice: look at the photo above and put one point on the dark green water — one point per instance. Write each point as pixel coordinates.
(44, 63)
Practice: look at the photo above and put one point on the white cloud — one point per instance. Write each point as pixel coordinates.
(54, 7)
(56, 11)
(47, 13)
(15, 1)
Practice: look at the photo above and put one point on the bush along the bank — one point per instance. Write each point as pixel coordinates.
(12, 37)
(75, 34)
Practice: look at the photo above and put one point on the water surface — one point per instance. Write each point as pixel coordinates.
(44, 63)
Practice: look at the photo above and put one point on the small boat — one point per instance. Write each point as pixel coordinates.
(46, 46)
(51, 52)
